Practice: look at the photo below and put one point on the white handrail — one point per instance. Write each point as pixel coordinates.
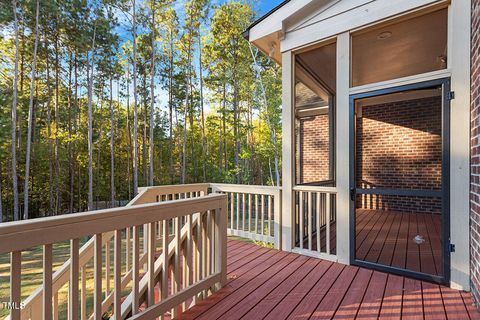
(254, 212)
(56, 229)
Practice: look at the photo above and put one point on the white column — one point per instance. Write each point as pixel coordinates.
(342, 148)
(459, 62)
(288, 151)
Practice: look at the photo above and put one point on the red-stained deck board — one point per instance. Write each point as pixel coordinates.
(433, 302)
(265, 305)
(471, 309)
(375, 250)
(268, 284)
(240, 253)
(392, 298)
(252, 256)
(241, 293)
(257, 289)
(454, 305)
(390, 240)
(238, 278)
(372, 300)
(371, 238)
(294, 297)
(353, 298)
(308, 304)
(389, 246)
(329, 304)
(412, 308)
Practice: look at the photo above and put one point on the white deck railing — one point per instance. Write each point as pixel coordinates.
(254, 212)
(185, 253)
(315, 221)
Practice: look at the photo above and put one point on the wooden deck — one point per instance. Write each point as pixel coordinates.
(270, 284)
(387, 237)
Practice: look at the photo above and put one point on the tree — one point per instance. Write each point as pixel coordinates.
(219, 123)
(14, 118)
(169, 22)
(135, 107)
(271, 127)
(30, 114)
(90, 76)
(228, 60)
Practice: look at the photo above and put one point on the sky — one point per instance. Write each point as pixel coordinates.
(261, 7)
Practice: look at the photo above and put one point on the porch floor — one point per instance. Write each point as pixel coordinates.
(387, 237)
(271, 284)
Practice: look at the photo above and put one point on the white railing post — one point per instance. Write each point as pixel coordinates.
(287, 152)
(202, 276)
(277, 211)
(47, 281)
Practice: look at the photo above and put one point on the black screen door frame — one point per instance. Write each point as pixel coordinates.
(444, 193)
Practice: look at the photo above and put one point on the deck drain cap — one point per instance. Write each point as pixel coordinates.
(419, 239)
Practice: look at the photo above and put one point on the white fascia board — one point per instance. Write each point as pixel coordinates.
(361, 15)
(274, 22)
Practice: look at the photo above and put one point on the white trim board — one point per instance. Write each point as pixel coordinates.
(358, 16)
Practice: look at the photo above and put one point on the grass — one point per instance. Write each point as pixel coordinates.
(32, 273)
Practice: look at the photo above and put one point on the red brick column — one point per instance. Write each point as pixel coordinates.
(475, 154)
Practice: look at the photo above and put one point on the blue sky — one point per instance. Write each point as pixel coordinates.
(261, 7)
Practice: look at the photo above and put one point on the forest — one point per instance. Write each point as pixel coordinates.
(101, 97)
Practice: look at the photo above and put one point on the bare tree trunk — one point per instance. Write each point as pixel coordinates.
(75, 110)
(1, 203)
(170, 107)
(144, 137)
(184, 147)
(236, 134)
(90, 125)
(152, 94)
(135, 108)
(187, 99)
(273, 133)
(49, 133)
(30, 116)
(112, 148)
(129, 135)
(70, 155)
(16, 215)
(204, 142)
(57, 121)
(224, 124)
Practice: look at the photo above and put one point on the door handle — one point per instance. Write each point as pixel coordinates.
(352, 194)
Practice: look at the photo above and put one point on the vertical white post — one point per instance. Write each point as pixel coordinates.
(15, 283)
(97, 278)
(277, 214)
(287, 150)
(459, 63)
(117, 275)
(47, 281)
(342, 148)
(74, 275)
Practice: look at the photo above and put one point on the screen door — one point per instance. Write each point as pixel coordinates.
(399, 183)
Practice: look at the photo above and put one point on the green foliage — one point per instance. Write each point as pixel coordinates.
(228, 129)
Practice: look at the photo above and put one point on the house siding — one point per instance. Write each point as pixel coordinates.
(475, 154)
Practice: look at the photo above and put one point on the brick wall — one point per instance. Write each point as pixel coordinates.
(313, 154)
(475, 155)
(399, 146)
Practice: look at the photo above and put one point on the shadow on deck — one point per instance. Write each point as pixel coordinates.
(270, 284)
